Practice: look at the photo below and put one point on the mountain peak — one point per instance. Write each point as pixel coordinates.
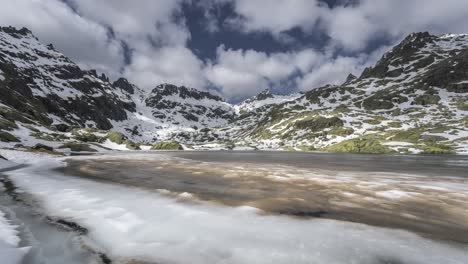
(18, 33)
(265, 94)
(416, 52)
(124, 84)
(351, 77)
(167, 89)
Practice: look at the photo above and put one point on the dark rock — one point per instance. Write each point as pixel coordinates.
(42, 147)
(123, 84)
(51, 47)
(62, 127)
(351, 77)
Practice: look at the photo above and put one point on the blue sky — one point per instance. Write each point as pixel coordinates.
(234, 48)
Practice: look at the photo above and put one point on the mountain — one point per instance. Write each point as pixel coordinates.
(414, 100)
(41, 87)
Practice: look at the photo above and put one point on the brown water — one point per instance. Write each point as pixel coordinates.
(426, 194)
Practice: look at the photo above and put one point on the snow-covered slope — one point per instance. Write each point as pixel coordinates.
(41, 89)
(48, 88)
(169, 109)
(413, 100)
(264, 98)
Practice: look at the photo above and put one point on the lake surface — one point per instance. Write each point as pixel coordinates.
(424, 194)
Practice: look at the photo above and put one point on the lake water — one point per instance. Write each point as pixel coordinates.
(425, 194)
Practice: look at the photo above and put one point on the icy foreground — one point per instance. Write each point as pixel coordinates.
(130, 223)
(9, 241)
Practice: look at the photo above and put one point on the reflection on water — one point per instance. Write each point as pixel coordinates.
(427, 194)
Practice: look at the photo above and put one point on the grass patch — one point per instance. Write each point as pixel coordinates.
(341, 131)
(116, 137)
(437, 149)
(167, 145)
(132, 145)
(7, 137)
(77, 147)
(319, 123)
(361, 145)
(462, 105)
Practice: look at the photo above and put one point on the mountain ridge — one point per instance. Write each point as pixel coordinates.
(419, 86)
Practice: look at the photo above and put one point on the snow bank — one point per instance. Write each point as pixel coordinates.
(113, 145)
(16, 157)
(132, 223)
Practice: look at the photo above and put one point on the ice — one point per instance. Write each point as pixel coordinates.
(8, 233)
(134, 224)
(9, 240)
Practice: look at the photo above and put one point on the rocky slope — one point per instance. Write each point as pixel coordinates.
(43, 93)
(264, 98)
(413, 100)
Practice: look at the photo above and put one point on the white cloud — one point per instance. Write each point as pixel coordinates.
(353, 26)
(335, 70)
(83, 40)
(157, 41)
(169, 64)
(277, 15)
(241, 73)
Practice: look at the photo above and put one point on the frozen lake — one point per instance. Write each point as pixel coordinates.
(260, 207)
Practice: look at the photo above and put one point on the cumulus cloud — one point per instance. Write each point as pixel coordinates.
(85, 41)
(169, 64)
(353, 26)
(334, 70)
(242, 73)
(157, 40)
(277, 15)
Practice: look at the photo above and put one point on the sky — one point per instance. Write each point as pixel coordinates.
(234, 48)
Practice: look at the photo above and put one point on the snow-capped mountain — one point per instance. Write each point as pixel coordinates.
(413, 100)
(43, 87)
(264, 98)
(188, 105)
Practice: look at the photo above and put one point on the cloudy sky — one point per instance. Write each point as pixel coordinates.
(233, 47)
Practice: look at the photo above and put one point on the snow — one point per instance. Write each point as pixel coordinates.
(113, 145)
(17, 157)
(5, 164)
(8, 233)
(250, 105)
(398, 143)
(10, 253)
(135, 224)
